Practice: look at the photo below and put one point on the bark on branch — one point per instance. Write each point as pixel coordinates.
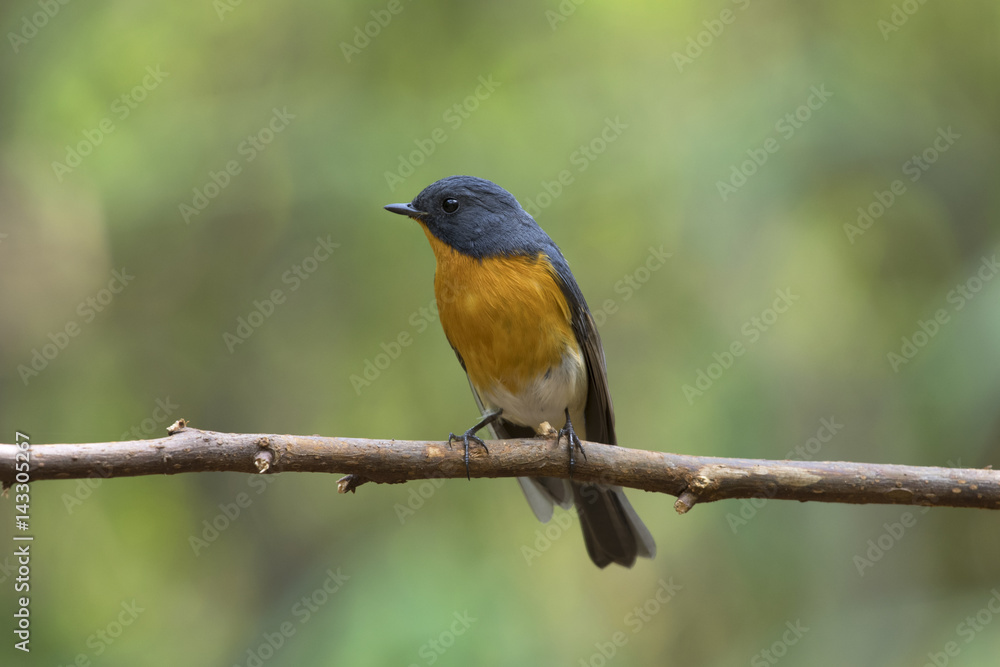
(694, 479)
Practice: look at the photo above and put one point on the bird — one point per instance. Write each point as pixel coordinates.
(522, 331)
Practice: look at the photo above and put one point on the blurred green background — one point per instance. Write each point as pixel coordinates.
(116, 116)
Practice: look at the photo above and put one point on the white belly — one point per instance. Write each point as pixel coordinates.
(546, 397)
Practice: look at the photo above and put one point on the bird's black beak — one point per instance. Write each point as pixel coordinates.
(405, 209)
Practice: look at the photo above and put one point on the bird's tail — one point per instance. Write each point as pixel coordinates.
(612, 531)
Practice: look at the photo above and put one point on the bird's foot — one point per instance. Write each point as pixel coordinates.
(572, 442)
(470, 436)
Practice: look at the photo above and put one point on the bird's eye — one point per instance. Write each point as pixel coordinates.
(449, 205)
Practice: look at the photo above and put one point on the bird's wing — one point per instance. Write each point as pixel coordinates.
(598, 412)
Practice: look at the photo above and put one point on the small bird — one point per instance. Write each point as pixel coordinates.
(524, 335)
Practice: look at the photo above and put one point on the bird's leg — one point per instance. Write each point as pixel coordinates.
(572, 441)
(471, 435)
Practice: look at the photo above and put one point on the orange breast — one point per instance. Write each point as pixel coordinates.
(506, 316)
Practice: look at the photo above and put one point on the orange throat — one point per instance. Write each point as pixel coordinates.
(506, 316)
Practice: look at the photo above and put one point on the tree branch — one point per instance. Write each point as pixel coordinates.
(694, 479)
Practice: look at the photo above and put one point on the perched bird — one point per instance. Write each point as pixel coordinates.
(522, 331)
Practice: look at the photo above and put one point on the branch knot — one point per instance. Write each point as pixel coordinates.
(266, 457)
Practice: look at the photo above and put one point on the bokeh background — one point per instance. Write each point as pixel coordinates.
(641, 110)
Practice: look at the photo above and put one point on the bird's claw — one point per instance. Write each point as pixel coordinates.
(465, 438)
(572, 442)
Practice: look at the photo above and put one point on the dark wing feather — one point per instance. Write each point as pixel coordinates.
(612, 531)
(598, 411)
